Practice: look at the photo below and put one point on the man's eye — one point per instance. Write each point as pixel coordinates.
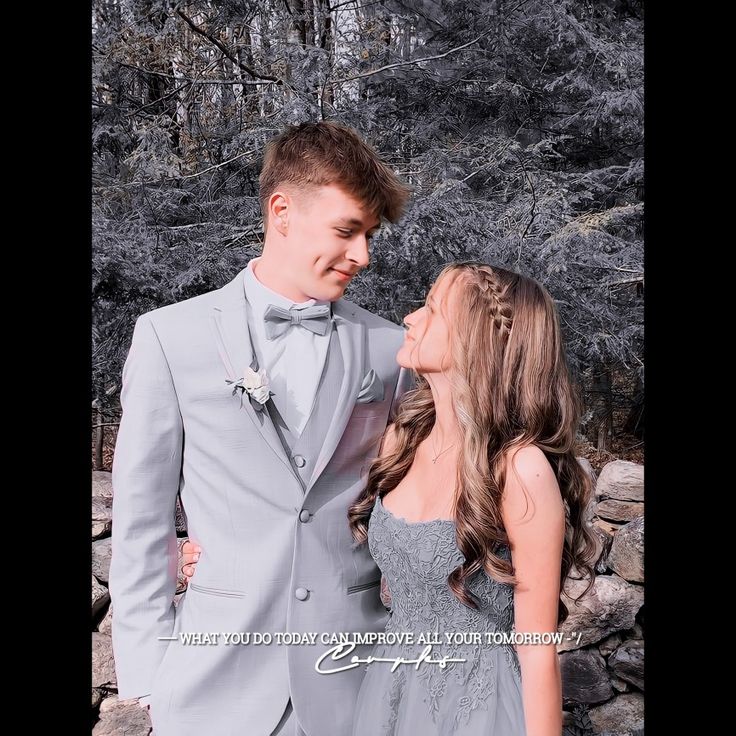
(345, 233)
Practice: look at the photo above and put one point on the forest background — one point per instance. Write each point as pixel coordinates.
(518, 125)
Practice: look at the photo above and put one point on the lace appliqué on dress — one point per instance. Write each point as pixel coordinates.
(415, 560)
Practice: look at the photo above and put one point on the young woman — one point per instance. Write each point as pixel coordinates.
(474, 513)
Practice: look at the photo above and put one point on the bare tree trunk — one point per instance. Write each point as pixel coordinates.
(377, 22)
(244, 52)
(227, 98)
(298, 26)
(327, 42)
(406, 41)
(634, 423)
(266, 103)
(501, 49)
(309, 22)
(182, 114)
(99, 441)
(604, 405)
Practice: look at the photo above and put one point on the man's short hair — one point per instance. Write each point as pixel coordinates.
(319, 154)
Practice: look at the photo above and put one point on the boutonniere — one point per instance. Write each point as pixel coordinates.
(255, 385)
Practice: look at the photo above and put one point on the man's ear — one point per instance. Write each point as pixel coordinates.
(278, 212)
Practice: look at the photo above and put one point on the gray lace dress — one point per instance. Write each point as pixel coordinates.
(481, 695)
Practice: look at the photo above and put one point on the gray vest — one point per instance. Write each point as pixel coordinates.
(304, 450)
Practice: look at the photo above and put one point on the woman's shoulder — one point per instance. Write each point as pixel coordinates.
(530, 482)
(528, 461)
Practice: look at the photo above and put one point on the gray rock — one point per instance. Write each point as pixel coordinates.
(620, 686)
(103, 665)
(604, 539)
(576, 721)
(622, 480)
(102, 483)
(590, 508)
(101, 516)
(122, 718)
(610, 643)
(620, 716)
(627, 551)
(101, 553)
(607, 526)
(97, 695)
(105, 626)
(587, 467)
(627, 662)
(614, 510)
(584, 677)
(100, 596)
(636, 631)
(610, 605)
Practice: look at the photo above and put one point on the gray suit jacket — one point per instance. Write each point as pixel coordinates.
(267, 537)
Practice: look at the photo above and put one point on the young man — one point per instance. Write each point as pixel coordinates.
(261, 404)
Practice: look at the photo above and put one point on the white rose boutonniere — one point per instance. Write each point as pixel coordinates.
(255, 385)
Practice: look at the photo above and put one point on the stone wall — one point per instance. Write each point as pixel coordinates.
(602, 669)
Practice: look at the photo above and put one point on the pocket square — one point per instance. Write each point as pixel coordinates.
(371, 389)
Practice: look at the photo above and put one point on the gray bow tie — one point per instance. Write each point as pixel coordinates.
(278, 320)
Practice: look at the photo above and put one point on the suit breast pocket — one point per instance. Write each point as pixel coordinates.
(365, 426)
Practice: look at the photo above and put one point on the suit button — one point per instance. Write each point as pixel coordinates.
(299, 461)
(301, 593)
(304, 516)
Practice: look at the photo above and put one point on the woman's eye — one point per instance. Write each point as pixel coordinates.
(345, 233)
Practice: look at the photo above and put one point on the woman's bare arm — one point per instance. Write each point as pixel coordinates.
(534, 517)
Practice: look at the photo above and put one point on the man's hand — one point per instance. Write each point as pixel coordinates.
(189, 556)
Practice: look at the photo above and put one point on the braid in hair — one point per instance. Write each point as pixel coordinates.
(495, 294)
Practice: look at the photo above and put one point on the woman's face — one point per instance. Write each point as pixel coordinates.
(426, 347)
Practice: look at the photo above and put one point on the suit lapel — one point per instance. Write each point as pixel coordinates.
(351, 333)
(232, 336)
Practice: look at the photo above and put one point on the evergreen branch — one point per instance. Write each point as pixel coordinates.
(216, 166)
(532, 211)
(493, 160)
(158, 100)
(352, 2)
(191, 81)
(225, 50)
(412, 62)
(201, 224)
(605, 268)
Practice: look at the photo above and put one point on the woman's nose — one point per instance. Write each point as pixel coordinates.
(409, 319)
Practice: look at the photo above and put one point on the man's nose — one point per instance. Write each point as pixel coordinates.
(359, 252)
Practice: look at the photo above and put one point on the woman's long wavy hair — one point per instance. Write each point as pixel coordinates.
(511, 387)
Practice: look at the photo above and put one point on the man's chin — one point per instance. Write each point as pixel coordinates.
(329, 292)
